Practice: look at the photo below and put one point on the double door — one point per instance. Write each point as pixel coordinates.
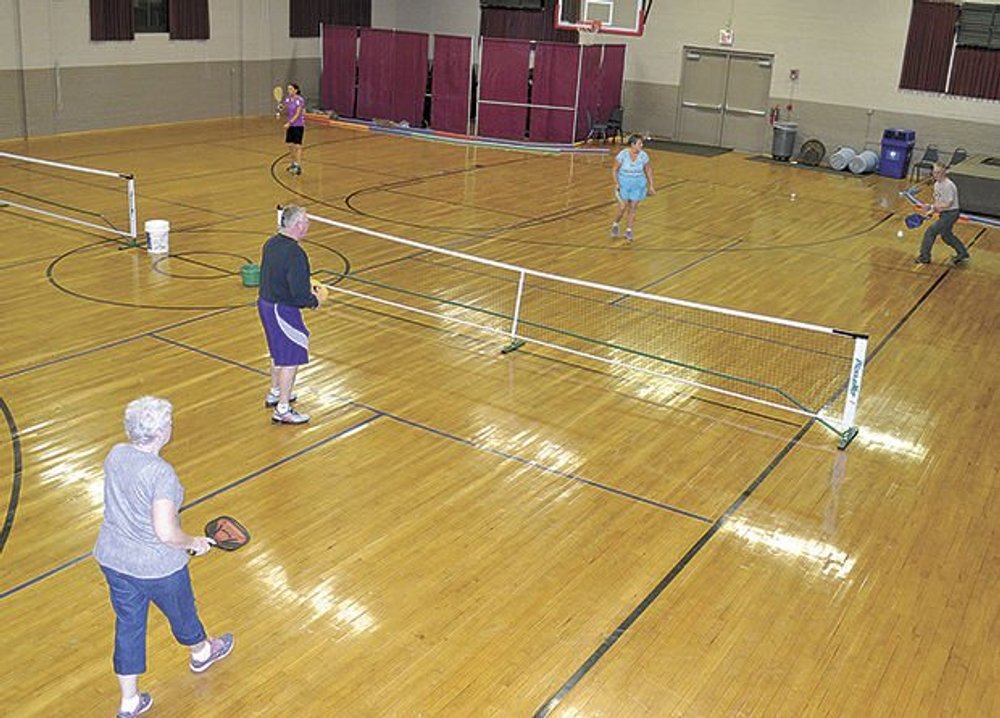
(724, 98)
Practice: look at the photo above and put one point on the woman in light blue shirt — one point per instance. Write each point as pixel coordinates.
(633, 181)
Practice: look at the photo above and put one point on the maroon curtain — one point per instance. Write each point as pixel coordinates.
(612, 77)
(503, 71)
(523, 25)
(451, 84)
(554, 83)
(111, 20)
(340, 61)
(409, 76)
(975, 73)
(590, 90)
(928, 46)
(188, 19)
(305, 16)
(375, 74)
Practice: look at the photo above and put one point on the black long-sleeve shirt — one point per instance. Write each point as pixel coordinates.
(284, 273)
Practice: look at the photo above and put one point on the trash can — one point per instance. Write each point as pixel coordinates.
(897, 148)
(783, 146)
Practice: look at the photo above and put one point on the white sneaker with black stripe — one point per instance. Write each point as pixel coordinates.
(288, 417)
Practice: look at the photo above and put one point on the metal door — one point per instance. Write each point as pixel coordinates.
(702, 96)
(748, 91)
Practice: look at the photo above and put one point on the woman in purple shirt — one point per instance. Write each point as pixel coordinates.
(295, 128)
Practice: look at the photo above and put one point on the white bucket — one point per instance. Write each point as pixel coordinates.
(863, 163)
(157, 236)
(840, 159)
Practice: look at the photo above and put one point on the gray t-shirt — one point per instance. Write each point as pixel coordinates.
(127, 543)
(946, 193)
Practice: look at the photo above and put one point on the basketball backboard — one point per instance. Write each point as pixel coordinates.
(615, 17)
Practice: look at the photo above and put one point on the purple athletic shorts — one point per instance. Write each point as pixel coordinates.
(287, 336)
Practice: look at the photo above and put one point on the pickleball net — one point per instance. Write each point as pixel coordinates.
(95, 198)
(666, 345)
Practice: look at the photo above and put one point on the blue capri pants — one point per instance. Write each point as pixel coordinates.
(131, 597)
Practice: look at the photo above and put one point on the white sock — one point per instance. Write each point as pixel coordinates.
(282, 408)
(274, 391)
(204, 652)
(130, 704)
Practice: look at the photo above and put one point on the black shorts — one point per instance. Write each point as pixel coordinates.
(293, 135)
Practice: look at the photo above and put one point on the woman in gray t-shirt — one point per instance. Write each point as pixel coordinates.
(143, 551)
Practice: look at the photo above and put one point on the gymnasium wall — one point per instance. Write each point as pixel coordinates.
(61, 81)
(848, 53)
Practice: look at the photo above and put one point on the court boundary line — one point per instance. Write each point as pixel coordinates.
(468, 442)
(242, 480)
(16, 476)
(556, 698)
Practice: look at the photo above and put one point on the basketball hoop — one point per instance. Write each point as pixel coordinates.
(592, 26)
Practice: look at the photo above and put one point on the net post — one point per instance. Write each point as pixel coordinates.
(516, 343)
(854, 390)
(133, 229)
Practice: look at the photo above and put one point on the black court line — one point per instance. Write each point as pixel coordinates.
(17, 469)
(681, 269)
(546, 708)
(252, 475)
(112, 344)
(548, 469)
(438, 432)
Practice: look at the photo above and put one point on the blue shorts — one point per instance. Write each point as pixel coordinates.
(632, 189)
(287, 336)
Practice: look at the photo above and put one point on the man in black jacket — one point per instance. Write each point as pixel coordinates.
(285, 289)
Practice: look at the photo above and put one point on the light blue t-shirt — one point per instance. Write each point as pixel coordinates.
(127, 543)
(632, 169)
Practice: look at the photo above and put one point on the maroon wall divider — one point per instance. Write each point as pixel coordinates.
(504, 78)
(589, 90)
(451, 85)
(409, 77)
(340, 57)
(612, 75)
(375, 74)
(554, 83)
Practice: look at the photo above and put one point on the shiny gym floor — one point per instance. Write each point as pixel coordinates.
(463, 532)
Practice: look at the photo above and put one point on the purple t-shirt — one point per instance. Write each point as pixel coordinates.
(293, 104)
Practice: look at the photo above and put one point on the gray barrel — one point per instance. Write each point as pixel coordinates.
(863, 163)
(783, 146)
(840, 159)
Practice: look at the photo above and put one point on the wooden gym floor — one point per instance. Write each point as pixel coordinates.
(460, 532)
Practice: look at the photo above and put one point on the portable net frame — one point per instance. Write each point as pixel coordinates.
(668, 344)
(94, 198)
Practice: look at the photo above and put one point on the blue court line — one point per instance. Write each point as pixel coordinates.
(212, 494)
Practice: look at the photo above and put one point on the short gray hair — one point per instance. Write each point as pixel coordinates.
(146, 417)
(291, 215)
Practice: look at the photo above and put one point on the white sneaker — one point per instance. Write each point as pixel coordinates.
(289, 417)
(615, 229)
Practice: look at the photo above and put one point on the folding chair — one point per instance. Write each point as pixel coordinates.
(924, 163)
(614, 125)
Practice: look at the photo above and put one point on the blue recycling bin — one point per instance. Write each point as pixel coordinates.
(897, 148)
